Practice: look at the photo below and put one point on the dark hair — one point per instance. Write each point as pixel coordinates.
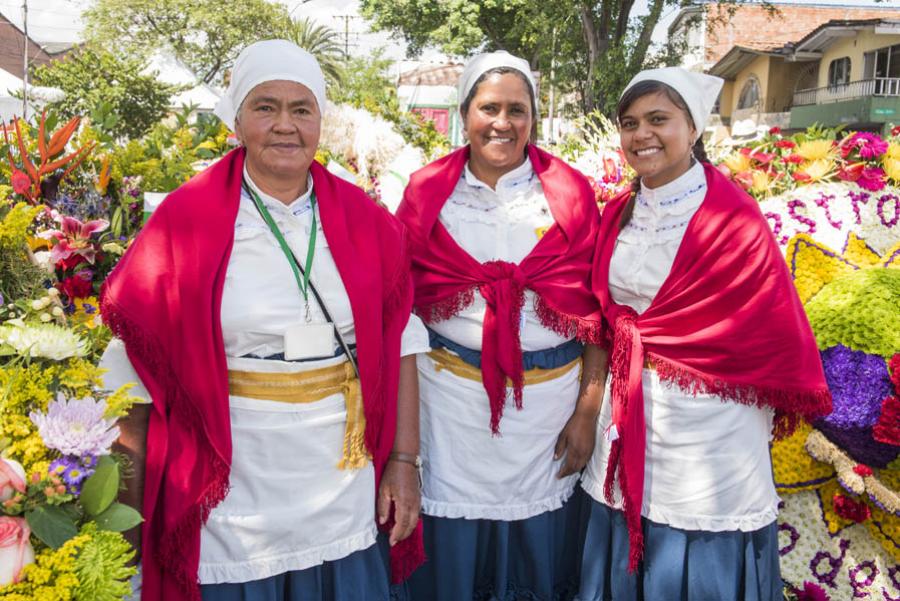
(639, 90)
(467, 101)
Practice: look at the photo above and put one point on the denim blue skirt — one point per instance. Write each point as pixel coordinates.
(361, 576)
(535, 559)
(678, 565)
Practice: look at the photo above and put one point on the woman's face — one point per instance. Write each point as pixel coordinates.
(657, 138)
(279, 123)
(498, 124)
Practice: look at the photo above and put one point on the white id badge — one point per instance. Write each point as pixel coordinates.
(309, 341)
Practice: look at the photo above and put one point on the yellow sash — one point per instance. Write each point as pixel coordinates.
(309, 387)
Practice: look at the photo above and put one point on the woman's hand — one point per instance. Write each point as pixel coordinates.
(576, 442)
(400, 486)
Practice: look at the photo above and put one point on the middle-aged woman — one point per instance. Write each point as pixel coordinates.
(710, 349)
(262, 309)
(502, 237)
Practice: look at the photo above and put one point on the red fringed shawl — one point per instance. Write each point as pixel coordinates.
(163, 300)
(557, 269)
(726, 321)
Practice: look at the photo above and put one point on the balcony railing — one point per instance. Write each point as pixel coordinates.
(879, 86)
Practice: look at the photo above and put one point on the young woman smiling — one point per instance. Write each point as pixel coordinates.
(710, 350)
(502, 237)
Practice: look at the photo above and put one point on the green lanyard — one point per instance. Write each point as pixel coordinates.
(302, 283)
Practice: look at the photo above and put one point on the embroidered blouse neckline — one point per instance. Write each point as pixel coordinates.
(297, 206)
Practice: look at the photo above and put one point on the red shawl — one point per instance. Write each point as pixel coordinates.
(726, 321)
(163, 300)
(557, 269)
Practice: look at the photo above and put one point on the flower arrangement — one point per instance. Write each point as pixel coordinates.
(598, 156)
(776, 164)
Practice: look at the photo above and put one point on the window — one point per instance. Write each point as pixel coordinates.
(839, 72)
(749, 97)
(884, 62)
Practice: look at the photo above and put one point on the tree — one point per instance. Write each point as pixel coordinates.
(590, 47)
(91, 78)
(206, 35)
(321, 42)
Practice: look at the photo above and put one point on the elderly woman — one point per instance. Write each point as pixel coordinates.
(711, 348)
(502, 240)
(262, 309)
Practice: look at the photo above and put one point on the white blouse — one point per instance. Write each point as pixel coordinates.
(264, 527)
(469, 473)
(707, 463)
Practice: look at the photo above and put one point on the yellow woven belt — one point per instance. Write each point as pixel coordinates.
(444, 359)
(309, 387)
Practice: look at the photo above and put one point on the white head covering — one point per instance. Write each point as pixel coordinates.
(270, 60)
(480, 64)
(698, 90)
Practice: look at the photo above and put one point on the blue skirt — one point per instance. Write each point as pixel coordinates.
(536, 559)
(361, 576)
(678, 565)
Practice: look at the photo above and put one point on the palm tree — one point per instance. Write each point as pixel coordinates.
(323, 43)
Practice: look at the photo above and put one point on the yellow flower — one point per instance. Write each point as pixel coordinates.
(892, 168)
(737, 162)
(818, 169)
(814, 150)
(86, 310)
(893, 151)
(761, 182)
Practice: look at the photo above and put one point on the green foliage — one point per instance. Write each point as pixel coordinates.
(321, 42)
(859, 311)
(19, 276)
(206, 35)
(366, 85)
(102, 566)
(93, 80)
(100, 490)
(52, 524)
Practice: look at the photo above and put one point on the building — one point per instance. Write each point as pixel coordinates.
(843, 72)
(708, 30)
(430, 91)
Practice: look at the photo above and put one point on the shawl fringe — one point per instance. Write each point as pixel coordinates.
(448, 307)
(170, 551)
(790, 406)
(405, 558)
(586, 330)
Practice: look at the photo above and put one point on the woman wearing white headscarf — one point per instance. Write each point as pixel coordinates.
(262, 309)
(502, 237)
(709, 344)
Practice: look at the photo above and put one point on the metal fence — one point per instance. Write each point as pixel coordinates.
(879, 86)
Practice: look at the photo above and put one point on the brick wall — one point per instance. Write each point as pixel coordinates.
(752, 26)
(12, 49)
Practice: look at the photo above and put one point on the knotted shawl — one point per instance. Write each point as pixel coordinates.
(727, 321)
(556, 270)
(163, 300)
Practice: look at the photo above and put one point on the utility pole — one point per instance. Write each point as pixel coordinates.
(346, 19)
(25, 61)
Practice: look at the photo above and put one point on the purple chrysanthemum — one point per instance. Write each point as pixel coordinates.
(72, 471)
(76, 427)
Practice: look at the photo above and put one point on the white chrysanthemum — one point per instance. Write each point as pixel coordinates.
(45, 340)
(76, 427)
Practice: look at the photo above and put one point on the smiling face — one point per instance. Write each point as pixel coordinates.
(279, 123)
(498, 123)
(656, 136)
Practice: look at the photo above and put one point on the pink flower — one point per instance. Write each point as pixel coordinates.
(21, 183)
(801, 176)
(872, 179)
(796, 159)
(12, 478)
(811, 592)
(869, 146)
(785, 144)
(851, 173)
(15, 548)
(74, 237)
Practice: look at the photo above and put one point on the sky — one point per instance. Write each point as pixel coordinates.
(59, 21)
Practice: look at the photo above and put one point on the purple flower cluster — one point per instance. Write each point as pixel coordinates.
(74, 471)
